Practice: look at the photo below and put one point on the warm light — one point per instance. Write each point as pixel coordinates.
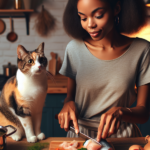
(143, 33)
(148, 5)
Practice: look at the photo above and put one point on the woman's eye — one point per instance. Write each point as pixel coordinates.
(98, 17)
(84, 19)
(30, 61)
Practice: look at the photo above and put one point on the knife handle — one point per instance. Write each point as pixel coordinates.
(70, 123)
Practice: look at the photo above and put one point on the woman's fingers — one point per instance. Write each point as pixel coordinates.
(61, 120)
(75, 123)
(101, 126)
(107, 126)
(112, 129)
(66, 123)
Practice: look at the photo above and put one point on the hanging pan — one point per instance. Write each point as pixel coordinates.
(11, 36)
(2, 26)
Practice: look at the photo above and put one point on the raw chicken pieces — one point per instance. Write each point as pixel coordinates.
(91, 145)
(69, 145)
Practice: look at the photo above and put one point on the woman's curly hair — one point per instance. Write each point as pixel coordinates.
(131, 17)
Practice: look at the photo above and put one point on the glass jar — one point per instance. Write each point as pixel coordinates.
(17, 4)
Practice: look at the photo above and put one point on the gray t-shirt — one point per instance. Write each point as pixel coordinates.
(102, 84)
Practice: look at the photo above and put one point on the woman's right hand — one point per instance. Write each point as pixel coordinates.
(68, 112)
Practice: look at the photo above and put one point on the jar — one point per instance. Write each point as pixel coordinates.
(17, 4)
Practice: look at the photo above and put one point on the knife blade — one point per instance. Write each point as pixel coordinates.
(103, 142)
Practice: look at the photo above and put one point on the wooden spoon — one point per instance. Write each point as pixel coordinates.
(11, 36)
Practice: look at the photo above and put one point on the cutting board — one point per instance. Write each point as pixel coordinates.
(55, 144)
(52, 63)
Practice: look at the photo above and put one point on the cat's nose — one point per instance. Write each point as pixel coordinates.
(39, 67)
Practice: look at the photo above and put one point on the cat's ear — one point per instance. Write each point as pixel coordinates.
(41, 48)
(21, 52)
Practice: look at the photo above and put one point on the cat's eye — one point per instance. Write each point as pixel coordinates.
(31, 61)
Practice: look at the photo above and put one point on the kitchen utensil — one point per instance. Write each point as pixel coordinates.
(2, 26)
(9, 70)
(103, 142)
(52, 63)
(17, 4)
(11, 36)
(4, 134)
(45, 23)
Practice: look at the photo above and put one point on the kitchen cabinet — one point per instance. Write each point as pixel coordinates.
(49, 125)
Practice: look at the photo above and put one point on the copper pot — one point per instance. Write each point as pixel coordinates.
(4, 134)
(9, 70)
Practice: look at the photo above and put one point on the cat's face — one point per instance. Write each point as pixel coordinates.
(32, 62)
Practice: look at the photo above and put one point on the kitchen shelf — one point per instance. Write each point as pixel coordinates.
(17, 13)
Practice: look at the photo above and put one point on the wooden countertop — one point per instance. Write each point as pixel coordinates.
(57, 85)
(118, 143)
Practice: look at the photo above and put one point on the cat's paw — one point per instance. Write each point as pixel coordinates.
(32, 139)
(41, 136)
(16, 137)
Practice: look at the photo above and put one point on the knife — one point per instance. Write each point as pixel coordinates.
(103, 142)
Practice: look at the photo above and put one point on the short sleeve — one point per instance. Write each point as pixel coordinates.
(68, 67)
(143, 76)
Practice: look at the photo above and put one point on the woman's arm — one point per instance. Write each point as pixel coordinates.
(71, 90)
(138, 114)
(110, 121)
(69, 111)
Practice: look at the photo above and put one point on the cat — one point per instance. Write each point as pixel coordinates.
(23, 96)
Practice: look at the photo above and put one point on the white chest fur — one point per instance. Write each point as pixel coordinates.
(32, 88)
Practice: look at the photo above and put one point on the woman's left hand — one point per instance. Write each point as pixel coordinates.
(109, 123)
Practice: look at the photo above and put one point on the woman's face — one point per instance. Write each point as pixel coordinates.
(97, 18)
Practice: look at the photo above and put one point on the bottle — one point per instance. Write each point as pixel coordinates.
(17, 4)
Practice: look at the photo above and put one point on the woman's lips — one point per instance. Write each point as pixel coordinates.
(95, 34)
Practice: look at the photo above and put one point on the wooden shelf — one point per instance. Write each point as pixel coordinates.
(16, 13)
(15, 10)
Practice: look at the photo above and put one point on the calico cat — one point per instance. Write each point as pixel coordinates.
(23, 96)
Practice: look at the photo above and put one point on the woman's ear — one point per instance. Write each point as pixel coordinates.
(117, 9)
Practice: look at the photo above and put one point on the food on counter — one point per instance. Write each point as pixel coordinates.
(38, 146)
(91, 145)
(88, 145)
(69, 145)
(139, 147)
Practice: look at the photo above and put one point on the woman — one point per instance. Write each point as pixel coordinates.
(103, 67)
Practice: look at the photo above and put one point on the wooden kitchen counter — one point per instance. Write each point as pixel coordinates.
(118, 143)
(58, 84)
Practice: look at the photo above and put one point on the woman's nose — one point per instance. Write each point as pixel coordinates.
(91, 23)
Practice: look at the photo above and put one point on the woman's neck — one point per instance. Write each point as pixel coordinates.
(111, 41)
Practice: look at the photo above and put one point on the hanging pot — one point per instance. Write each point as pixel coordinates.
(9, 70)
(4, 134)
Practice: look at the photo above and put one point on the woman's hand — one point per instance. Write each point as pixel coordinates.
(68, 112)
(109, 123)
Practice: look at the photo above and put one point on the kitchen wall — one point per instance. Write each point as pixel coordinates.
(56, 42)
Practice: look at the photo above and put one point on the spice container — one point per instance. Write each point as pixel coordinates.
(17, 4)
